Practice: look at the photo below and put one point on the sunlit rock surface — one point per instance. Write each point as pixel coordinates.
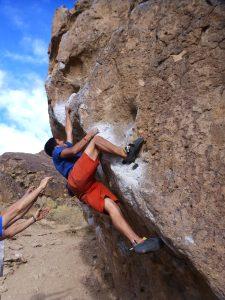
(156, 69)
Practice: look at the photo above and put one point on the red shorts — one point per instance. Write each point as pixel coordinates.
(82, 183)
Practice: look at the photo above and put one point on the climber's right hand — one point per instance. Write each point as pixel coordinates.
(68, 109)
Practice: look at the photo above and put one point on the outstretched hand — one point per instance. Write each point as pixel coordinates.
(44, 182)
(41, 213)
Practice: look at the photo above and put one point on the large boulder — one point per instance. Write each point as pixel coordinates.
(156, 69)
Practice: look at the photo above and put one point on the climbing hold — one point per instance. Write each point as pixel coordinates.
(135, 166)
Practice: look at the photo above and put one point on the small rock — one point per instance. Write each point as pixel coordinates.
(17, 258)
(141, 82)
(7, 272)
(3, 289)
(45, 233)
(36, 245)
(26, 234)
(15, 247)
(18, 255)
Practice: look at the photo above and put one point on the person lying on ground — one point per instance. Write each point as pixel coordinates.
(78, 164)
(11, 221)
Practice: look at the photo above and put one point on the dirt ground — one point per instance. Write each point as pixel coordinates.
(52, 262)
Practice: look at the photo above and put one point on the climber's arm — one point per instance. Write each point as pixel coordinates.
(68, 127)
(71, 151)
(22, 204)
(20, 215)
(16, 228)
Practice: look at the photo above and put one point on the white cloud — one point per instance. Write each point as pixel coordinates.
(23, 58)
(36, 52)
(39, 47)
(13, 140)
(2, 78)
(13, 14)
(26, 127)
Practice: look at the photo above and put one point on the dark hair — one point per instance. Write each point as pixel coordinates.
(49, 146)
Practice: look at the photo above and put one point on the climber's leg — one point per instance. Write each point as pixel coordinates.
(98, 144)
(119, 221)
(129, 154)
(140, 245)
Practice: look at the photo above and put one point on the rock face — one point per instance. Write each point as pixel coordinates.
(156, 69)
(18, 171)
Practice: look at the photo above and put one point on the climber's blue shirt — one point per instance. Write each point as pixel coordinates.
(64, 165)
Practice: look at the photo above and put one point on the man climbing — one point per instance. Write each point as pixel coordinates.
(9, 225)
(78, 164)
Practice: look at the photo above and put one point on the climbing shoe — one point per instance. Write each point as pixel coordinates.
(132, 150)
(147, 245)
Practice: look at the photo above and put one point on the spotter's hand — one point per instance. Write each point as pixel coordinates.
(44, 182)
(41, 213)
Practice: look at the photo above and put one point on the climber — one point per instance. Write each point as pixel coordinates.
(10, 219)
(78, 164)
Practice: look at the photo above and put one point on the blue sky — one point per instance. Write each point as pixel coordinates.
(25, 30)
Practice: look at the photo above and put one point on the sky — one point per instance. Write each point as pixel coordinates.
(25, 30)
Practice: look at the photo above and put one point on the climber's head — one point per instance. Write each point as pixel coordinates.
(51, 144)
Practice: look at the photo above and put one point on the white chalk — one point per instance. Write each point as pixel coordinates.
(189, 239)
(59, 112)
